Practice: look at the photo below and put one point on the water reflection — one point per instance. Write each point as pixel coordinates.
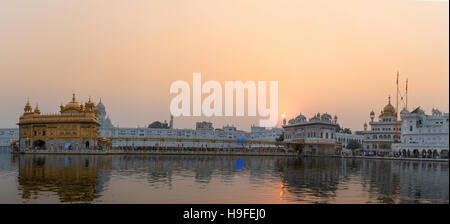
(73, 178)
(386, 181)
(223, 179)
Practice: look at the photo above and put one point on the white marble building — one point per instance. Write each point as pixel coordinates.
(382, 133)
(318, 129)
(424, 136)
(227, 132)
(203, 130)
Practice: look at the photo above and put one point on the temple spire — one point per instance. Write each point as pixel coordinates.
(28, 107)
(37, 110)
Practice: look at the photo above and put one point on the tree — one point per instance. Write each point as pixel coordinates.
(346, 131)
(280, 138)
(353, 144)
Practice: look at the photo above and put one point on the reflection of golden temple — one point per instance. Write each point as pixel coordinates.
(73, 179)
(75, 127)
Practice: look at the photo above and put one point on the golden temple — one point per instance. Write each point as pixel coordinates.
(75, 127)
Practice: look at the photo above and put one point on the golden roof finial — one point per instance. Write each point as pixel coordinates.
(36, 110)
(28, 107)
(73, 97)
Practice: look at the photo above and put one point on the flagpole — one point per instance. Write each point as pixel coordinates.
(396, 119)
(406, 94)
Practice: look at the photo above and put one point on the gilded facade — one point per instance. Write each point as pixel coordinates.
(74, 128)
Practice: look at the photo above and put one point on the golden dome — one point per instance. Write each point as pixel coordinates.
(388, 110)
(72, 107)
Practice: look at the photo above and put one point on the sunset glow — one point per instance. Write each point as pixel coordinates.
(339, 57)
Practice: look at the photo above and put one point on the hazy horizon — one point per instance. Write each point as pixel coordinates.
(339, 57)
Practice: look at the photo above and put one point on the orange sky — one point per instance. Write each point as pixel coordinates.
(339, 57)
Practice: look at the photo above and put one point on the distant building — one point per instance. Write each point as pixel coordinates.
(103, 118)
(265, 134)
(8, 135)
(423, 135)
(320, 128)
(203, 130)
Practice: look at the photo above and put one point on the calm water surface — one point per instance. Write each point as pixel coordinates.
(218, 179)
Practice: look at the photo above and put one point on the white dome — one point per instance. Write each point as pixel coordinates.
(100, 105)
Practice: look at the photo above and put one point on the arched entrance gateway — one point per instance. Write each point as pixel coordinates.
(38, 144)
(435, 154)
(444, 154)
(403, 153)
